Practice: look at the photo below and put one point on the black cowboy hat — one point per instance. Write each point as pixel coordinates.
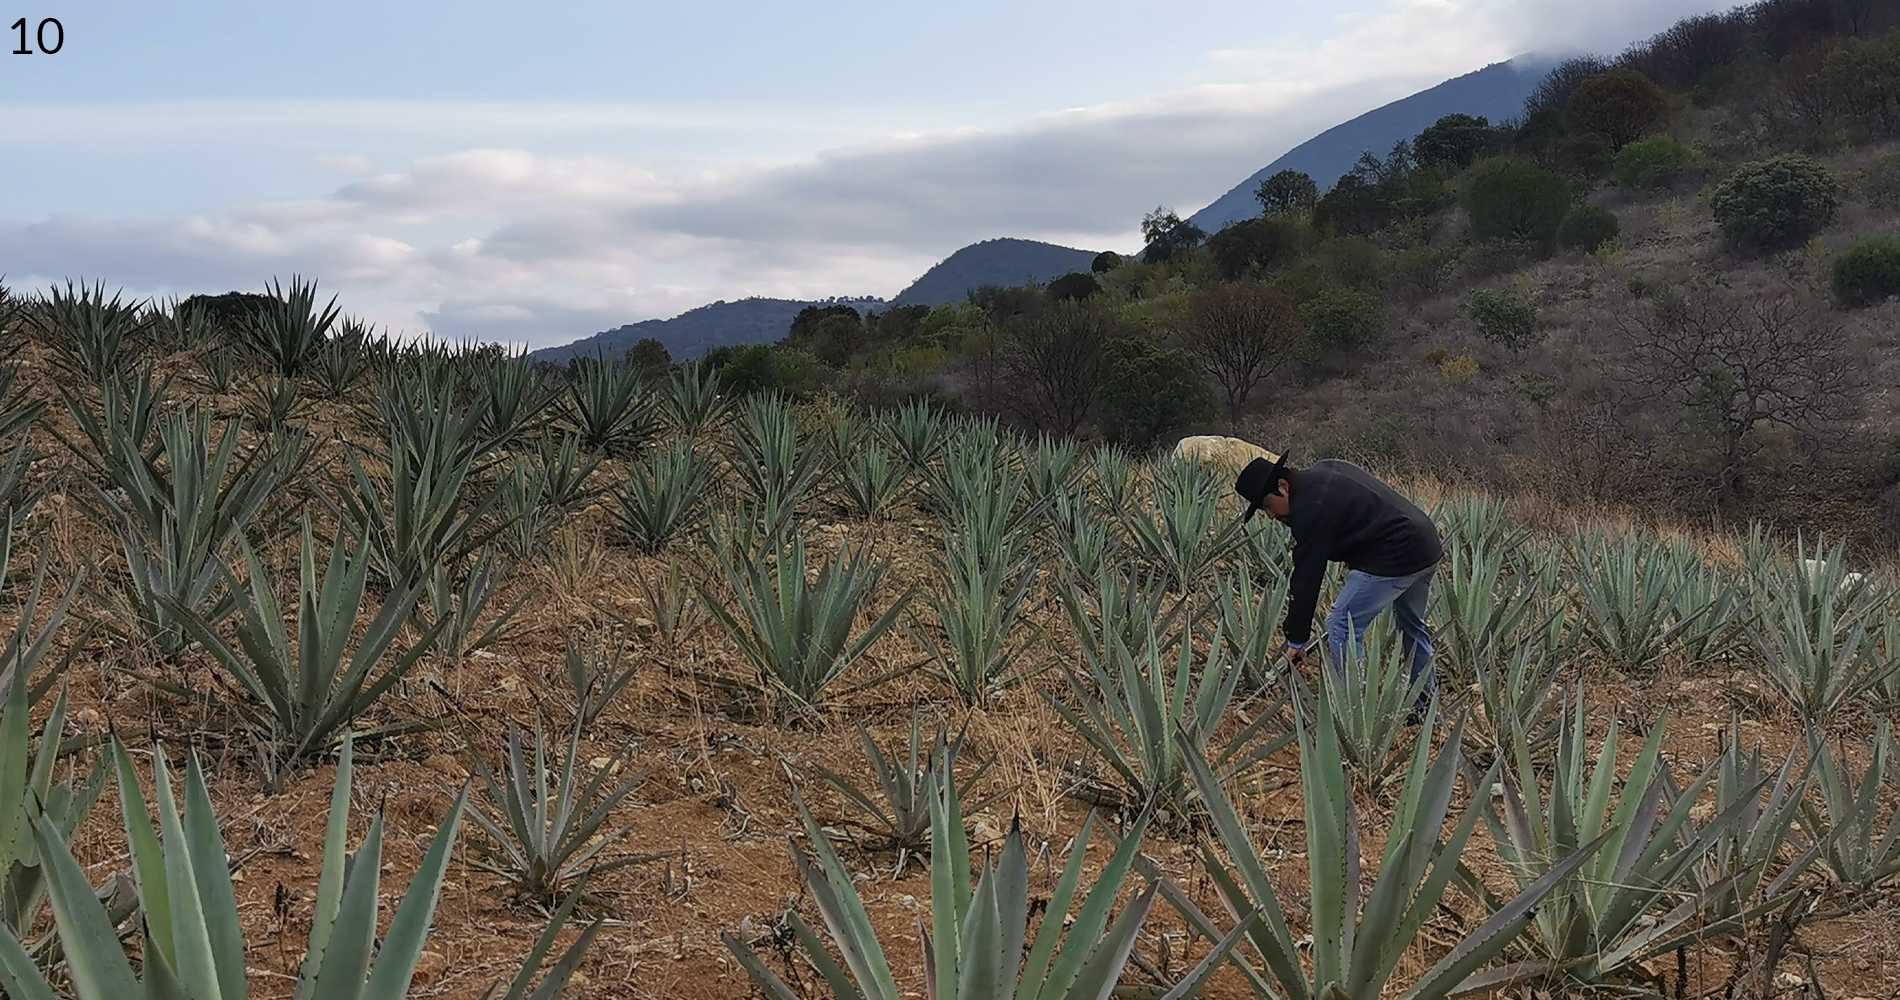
(1258, 479)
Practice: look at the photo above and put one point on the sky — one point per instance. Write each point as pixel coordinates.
(534, 174)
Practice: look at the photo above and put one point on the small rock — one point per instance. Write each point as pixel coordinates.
(509, 682)
(984, 833)
(1790, 981)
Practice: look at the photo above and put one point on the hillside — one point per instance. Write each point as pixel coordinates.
(696, 331)
(992, 262)
(1496, 92)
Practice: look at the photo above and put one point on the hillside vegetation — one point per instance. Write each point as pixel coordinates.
(774, 675)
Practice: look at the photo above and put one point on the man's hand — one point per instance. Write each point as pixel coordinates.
(1296, 656)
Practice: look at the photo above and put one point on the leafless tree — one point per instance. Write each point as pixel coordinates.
(1732, 363)
(1243, 333)
(1050, 361)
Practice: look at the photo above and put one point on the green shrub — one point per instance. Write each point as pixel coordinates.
(1878, 183)
(1148, 394)
(1106, 261)
(1503, 318)
(1257, 245)
(1074, 285)
(1868, 271)
(1343, 318)
(1588, 227)
(1654, 163)
(1776, 202)
(1621, 105)
(1588, 157)
(1515, 199)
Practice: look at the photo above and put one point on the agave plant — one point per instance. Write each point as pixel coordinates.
(1084, 541)
(982, 491)
(297, 702)
(1268, 552)
(869, 481)
(288, 328)
(1709, 596)
(898, 806)
(27, 645)
(17, 410)
(512, 400)
(274, 401)
(18, 494)
(548, 826)
(1631, 606)
(218, 364)
(179, 326)
(664, 496)
(457, 597)
(1134, 701)
(1054, 468)
(980, 609)
(1861, 847)
(1623, 907)
(1482, 603)
(777, 468)
(1360, 937)
(92, 337)
(597, 671)
(920, 432)
(975, 945)
(1370, 697)
(342, 359)
(796, 631)
(192, 938)
(1250, 617)
(1113, 474)
(425, 516)
(695, 401)
(1816, 636)
(1747, 852)
(1520, 698)
(610, 407)
(184, 513)
(673, 604)
(1184, 532)
(27, 793)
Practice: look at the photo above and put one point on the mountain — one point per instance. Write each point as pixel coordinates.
(1496, 92)
(696, 331)
(992, 262)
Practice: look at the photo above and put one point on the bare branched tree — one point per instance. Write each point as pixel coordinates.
(1243, 333)
(1732, 363)
(1051, 361)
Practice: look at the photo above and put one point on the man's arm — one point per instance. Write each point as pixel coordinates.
(1309, 568)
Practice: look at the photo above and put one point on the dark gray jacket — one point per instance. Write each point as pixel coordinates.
(1339, 512)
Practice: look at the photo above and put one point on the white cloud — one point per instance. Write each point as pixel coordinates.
(519, 245)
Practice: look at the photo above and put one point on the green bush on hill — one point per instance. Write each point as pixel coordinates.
(1588, 227)
(1149, 394)
(1515, 199)
(1656, 162)
(1868, 271)
(1343, 318)
(1776, 202)
(1621, 105)
(1503, 318)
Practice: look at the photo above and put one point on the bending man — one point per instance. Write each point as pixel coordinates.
(1339, 512)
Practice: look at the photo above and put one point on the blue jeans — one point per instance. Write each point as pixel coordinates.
(1409, 597)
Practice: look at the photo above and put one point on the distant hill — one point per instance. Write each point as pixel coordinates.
(1496, 92)
(696, 331)
(992, 262)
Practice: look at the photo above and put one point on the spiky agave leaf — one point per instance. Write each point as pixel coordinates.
(193, 944)
(610, 407)
(547, 824)
(1630, 602)
(1136, 696)
(980, 608)
(1183, 532)
(1359, 937)
(664, 496)
(1370, 697)
(1617, 911)
(898, 805)
(800, 634)
(298, 701)
(978, 943)
(1859, 831)
(597, 671)
(1815, 634)
(93, 338)
(287, 330)
(695, 401)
